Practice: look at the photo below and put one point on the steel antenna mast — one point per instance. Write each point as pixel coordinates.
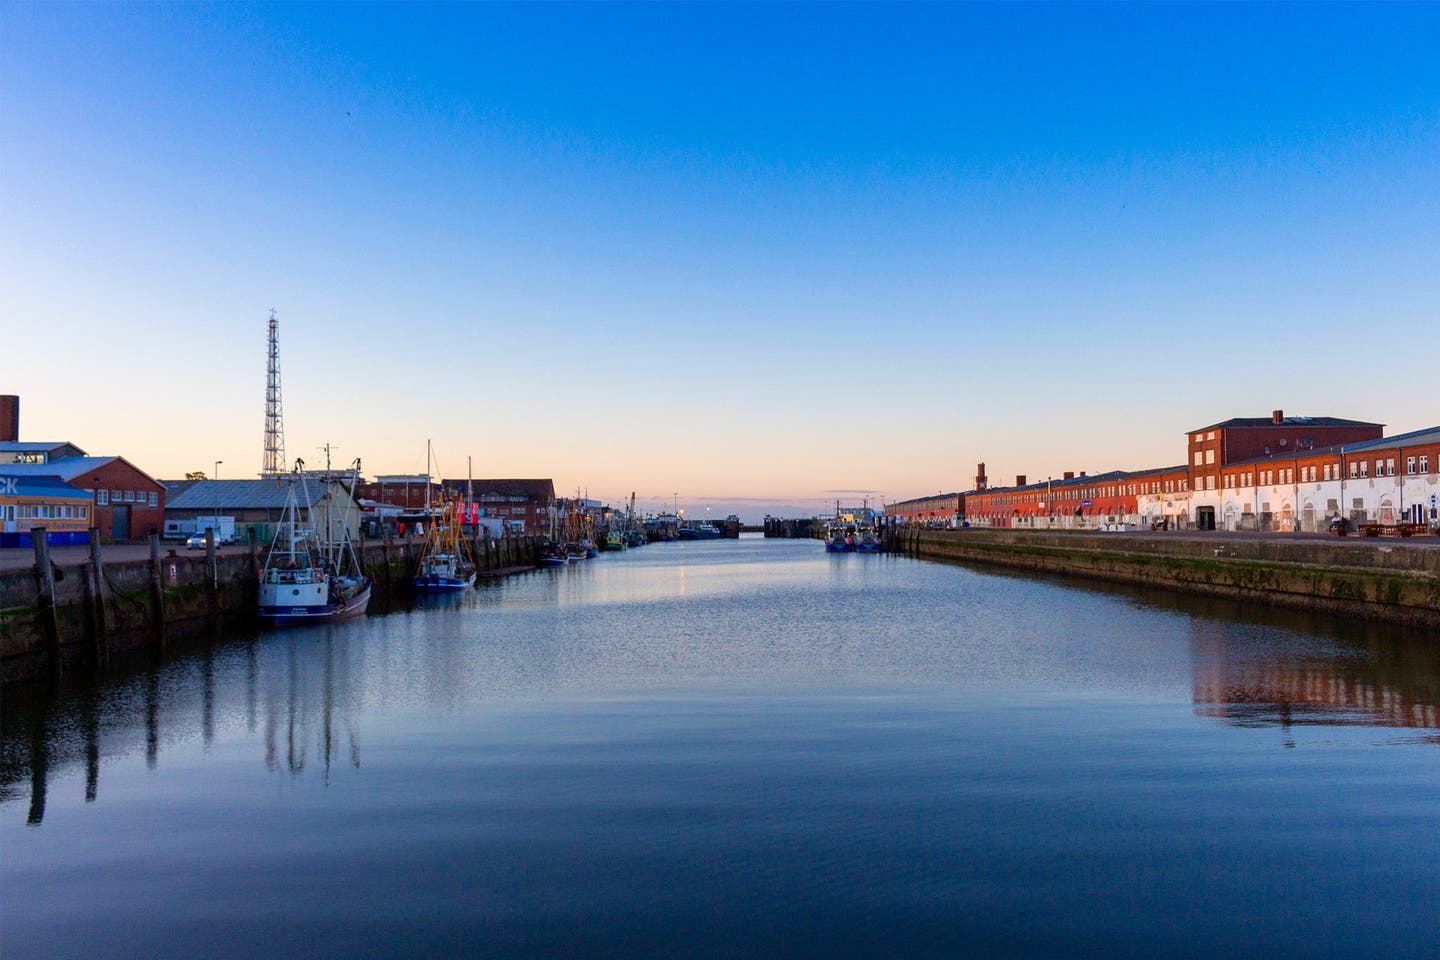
(274, 463)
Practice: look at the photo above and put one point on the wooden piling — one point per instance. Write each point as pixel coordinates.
(45, 583)
(157, 591)
(98, 627)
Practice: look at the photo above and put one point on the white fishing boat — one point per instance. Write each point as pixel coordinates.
(309, 577)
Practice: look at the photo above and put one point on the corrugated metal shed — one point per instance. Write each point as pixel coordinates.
(243, 495)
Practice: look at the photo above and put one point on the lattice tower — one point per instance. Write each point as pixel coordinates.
(274, 464)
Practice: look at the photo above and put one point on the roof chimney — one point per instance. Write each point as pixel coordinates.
(1069, 474)
(1082, 473)
(9, 419)
(1020, 480)
(1277, 417)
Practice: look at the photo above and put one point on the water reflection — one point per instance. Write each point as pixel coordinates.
(1255, 683)
(687, 617)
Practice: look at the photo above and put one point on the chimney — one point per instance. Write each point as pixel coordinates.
(1082, 473)
(979, 476)
(1020, 480)
(1277, 417)
(1069, 474)
(9, 419)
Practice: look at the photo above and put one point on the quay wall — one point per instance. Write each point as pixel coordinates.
(1390, 583)
(74, 619)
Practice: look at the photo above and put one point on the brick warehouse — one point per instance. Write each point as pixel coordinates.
(128, 503)
(1277, 474)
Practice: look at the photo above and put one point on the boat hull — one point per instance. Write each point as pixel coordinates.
(285, 615)
(438, 584)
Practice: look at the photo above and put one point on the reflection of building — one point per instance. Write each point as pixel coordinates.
(1271, 687)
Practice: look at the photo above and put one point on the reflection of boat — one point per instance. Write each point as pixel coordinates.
(307, 579)
(838, 537)
(445, 564)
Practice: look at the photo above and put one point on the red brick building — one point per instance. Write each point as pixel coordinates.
(402, 490)
(1249, 438)
(129, 503)
(527, 500)
(942, 508)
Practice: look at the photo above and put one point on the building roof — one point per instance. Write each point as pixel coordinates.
(27, 486)
(67, 469)
(540, 491)
(933, 496)
(241, 495)
(1234, 422)
(34, 446)
(1081, 479)
(1415, 438)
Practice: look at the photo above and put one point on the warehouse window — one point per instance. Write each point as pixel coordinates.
(102, 498)
(1409, 464)
(154, 499)
(1424, 463)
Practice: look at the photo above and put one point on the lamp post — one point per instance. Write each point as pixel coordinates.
(215, 520)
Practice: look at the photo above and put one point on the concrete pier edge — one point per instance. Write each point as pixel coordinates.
(1388, 583)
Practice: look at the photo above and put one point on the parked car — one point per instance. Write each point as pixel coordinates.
(196, 541)
(1339, 527)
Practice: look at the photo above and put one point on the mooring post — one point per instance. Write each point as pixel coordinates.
(212, 567)
(45, 582)
(97, 600)
(157, 591)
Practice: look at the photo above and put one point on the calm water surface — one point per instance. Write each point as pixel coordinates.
(741, 749)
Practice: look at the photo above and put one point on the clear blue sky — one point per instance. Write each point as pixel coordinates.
(745, 253)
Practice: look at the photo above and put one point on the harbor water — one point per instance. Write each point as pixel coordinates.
(740, 748)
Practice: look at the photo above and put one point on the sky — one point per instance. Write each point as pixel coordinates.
(747, 258)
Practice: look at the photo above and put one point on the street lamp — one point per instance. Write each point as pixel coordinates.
(215, 519)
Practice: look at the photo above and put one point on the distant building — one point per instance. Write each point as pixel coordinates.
(406, 491)
(1214, 447)
(525, 500)
(257, 506)
(128, 503)
(1248, 473)
(943, 508)
(36, 451)
(26, 502)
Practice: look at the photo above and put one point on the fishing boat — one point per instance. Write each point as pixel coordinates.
(308, 578)
(615, 540)
(699, 530)
(866, 539)
(445, 562)
(838, 538)
(553, 554)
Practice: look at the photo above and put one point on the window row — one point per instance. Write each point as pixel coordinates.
(54, 511)
(104, 498)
